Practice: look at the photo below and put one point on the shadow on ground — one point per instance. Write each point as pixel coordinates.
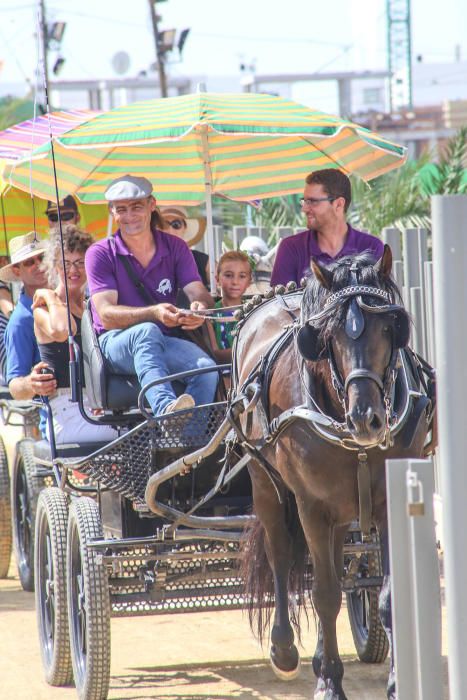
(243, 681)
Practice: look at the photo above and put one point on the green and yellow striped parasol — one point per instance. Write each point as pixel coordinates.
(246, 146)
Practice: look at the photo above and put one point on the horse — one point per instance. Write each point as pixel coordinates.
(322, 378)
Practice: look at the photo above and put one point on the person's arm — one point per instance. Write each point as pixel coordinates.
(6, 303)
(51, 317)
(199, 298)
(35, 383)
(22, 354)
(115, 316)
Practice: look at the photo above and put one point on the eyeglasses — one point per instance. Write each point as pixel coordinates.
(312, 202)
(64, 216)
(32, 261)
(79, 264)
(177, 224)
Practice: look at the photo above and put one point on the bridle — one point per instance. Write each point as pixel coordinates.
(354, 326)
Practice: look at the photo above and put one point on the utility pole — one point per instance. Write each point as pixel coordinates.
(159, 52)
(43, 38)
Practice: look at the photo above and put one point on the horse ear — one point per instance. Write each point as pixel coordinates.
(309, 344)
(322, 274)
(401, 329)
(384, 266)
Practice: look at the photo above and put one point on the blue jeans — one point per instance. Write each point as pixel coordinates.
(145, 351)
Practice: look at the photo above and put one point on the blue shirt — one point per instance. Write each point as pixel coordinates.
(20, 341)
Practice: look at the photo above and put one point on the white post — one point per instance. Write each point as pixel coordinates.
(426, 594)
(403, 621)
(449, 214)
(210, 231)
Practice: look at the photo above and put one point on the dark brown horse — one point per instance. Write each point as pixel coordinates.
(333, 351)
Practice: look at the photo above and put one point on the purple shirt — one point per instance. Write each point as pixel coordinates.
(295, 252)
(171, 268)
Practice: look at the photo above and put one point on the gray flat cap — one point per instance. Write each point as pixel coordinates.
(128, 187)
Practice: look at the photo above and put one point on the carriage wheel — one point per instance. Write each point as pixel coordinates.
(368, 633)
(5, 513)
(88, 603)
(25, 489)
(50, 580)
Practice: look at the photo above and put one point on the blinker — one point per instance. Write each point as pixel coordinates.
(354, 321)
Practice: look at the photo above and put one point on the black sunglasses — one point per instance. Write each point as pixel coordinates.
(64, 215)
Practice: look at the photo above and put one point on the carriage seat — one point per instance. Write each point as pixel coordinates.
(113, 392)
(41, 450)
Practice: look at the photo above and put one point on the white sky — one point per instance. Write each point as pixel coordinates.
(291, 36)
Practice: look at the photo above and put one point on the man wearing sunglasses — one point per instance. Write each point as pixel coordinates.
(69, 213)
(24, 364)
(325, 202)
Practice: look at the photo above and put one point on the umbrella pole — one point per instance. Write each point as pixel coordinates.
(210, 228)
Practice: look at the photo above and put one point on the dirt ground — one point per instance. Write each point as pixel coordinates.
(188, 656)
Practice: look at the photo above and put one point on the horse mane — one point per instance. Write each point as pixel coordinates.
(315, 294)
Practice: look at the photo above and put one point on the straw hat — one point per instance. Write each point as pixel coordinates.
(21, 248)
(194, 230)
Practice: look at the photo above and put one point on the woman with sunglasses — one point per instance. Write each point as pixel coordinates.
(68, 208)
(175, 220)
(51, 329)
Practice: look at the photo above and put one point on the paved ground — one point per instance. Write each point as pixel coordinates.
(190, 656)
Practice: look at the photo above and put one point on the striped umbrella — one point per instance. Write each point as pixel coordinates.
(16, 207)
(20, 139)
(246, 146)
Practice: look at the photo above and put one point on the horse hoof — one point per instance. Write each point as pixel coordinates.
(285, 674)
(325, 691)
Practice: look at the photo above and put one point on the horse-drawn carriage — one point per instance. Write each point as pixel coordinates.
(158, 520)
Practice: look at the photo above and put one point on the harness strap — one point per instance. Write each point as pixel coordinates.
(365, 505)
(363, 374)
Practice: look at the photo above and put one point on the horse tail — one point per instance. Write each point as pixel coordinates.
(258, 579)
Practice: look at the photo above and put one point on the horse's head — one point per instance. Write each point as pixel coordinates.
(352, 316)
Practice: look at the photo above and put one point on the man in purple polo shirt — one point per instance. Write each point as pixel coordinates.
(134, 334)
(326, 199)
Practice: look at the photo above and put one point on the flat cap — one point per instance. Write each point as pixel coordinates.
(128, 187)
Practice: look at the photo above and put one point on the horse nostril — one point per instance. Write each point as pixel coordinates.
(376, 422)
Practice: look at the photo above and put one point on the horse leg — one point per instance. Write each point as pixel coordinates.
(385, 608)
(327, 598)
(339, 539)
(285, 659)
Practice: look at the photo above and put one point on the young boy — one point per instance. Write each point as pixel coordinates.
(233, 277)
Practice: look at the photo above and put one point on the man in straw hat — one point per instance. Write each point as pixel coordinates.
(23, 360)
(133, 280)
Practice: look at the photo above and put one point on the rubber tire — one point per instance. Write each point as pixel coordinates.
(25, 490)
(6, 537)
(88, 603)
(371, 642)
(50, 588)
